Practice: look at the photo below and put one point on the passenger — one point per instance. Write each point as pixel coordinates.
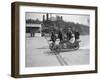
(69, 34)
(72, 40)
(65, 37)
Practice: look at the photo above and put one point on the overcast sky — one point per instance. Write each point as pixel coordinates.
(82, 19)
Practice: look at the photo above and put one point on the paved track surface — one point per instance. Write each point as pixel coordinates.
(38, 53)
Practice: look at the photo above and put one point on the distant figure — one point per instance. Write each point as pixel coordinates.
(32, 34)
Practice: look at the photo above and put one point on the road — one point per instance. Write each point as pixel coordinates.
(38, 53)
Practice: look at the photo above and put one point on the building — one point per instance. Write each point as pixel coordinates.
(33, 29)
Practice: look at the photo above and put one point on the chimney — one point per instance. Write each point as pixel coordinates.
(61, 18)
(43, 18)
(47, 16)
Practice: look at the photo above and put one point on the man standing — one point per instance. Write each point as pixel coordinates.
(77, 34)
(60, 36)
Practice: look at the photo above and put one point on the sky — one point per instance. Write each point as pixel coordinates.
(81, 19)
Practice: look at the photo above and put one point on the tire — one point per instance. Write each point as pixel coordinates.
(76, 46)
(57, 49)
(51, 46)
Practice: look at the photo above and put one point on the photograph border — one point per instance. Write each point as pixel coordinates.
(15, 32)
